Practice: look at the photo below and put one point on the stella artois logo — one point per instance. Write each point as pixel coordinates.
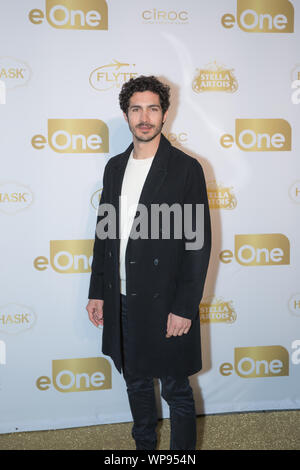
(215, 78)
(217, 310)
(220, 196)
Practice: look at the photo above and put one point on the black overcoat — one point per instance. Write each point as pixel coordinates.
(162, 276)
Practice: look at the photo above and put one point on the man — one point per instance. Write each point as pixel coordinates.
(146, 290)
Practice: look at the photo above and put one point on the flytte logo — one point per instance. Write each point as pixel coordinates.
(73, 14)
(262, 16)
(68, 256)
(260, 135)
(216, 310)
(215, 78)
(78, 136)
(220, 196)
(78, 375)
(271, 249)
(112, 75)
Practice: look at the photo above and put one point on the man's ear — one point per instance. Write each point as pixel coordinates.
(165, 116)
(125, 116)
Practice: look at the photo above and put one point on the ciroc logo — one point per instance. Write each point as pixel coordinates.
(165, 16)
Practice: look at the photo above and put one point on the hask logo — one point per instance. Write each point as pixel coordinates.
(78, 375)
(68, 257)
(260, 135)
(258, 361)
(216, 310)
(262, 16)
(73, 14)
(14, 72)
(16, 318)
(220, 196)
(113, 75)
(294, 305)
(75, 136)
(271, 249)
(294, 192)
(14, 197)
(215, 77)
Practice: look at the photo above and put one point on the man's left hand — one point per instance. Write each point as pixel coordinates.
(177, 326)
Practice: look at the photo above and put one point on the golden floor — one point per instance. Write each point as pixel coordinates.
(271, 430)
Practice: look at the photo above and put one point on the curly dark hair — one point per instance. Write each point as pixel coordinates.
(143, 83)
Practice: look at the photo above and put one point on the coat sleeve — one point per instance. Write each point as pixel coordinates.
(97, 268)
(192, 272)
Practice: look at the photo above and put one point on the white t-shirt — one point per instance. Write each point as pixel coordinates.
(134, 178)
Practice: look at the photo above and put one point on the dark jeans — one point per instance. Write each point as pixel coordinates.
(177, 393)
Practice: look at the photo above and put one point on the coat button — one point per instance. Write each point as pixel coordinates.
(133, 294)
(155, 295)
(110, 254)
(155, 262)
(110, 285)
(132, 262)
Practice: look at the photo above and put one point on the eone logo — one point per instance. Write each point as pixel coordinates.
(263, 16)
(74, 136)
(260, 135)
(259, 250)
(262, 361)
(68, 256)
(73, 14)
(78, 375)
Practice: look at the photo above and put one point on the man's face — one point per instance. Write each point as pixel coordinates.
(144, 116)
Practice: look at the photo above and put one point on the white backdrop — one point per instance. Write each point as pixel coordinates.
(231, 66)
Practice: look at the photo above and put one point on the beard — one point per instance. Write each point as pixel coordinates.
(156, 130)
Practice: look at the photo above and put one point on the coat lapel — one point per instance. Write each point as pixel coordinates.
(154, 179)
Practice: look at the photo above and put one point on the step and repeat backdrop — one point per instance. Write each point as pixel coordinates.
(234, 71)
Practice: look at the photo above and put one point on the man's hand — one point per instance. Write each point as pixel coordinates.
(177, 326)
(95, 311)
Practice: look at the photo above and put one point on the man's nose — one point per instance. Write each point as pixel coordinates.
(145, 115)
